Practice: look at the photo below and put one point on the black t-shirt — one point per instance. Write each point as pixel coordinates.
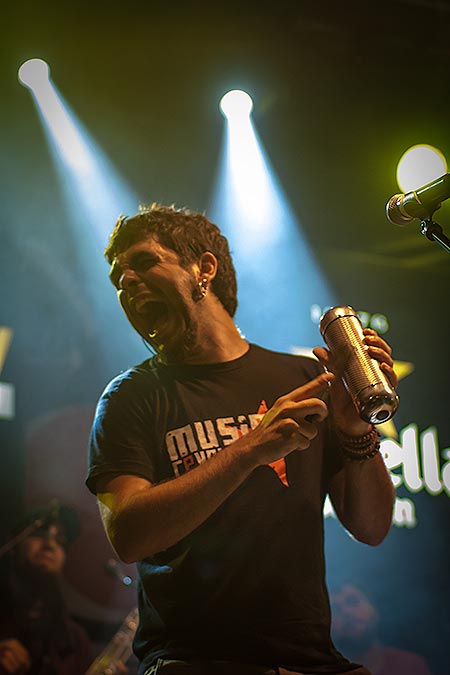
(249, 583)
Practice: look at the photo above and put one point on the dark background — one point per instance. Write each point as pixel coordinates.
(341, 90)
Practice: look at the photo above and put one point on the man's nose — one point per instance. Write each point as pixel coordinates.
(128, 279)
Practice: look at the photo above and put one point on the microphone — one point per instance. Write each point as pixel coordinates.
(420, 203)
(372, 394)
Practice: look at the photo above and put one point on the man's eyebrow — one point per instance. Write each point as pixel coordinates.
(142, 255)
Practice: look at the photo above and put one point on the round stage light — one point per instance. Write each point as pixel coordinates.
(33, 73)
(236, 103)
(420, 165)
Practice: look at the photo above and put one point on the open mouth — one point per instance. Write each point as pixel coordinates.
(155, 312)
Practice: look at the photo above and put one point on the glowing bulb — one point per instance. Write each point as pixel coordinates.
(420, 165)
(34, 73)
(236, 103)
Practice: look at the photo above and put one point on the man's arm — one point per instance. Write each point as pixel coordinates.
(361, 492)
(142, 519)
(363, 496)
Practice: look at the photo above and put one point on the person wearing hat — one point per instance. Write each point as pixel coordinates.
(37, 635)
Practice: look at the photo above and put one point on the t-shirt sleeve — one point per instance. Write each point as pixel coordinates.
(121, 434)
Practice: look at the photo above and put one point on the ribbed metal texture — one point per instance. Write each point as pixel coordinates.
(362, 375)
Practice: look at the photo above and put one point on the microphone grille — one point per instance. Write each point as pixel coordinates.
(394, 213)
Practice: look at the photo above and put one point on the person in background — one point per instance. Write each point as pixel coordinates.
(37, 635)
(355, 631)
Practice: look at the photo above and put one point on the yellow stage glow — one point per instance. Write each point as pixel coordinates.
(420, 165)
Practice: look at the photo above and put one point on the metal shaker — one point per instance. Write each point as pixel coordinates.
(370, 389)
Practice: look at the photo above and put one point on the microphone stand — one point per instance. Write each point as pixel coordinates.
(434, 232)
(20, 536)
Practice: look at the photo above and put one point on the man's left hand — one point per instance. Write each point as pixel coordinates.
(343, 410)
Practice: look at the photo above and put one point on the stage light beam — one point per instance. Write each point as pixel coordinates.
(277, 272)
(248, 177)
(94, 192)
(90, 182)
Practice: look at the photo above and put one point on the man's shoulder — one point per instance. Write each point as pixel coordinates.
(142, 376)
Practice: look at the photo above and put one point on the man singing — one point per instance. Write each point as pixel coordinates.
(211, 462)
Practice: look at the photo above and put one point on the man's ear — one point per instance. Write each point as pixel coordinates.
(208, 265)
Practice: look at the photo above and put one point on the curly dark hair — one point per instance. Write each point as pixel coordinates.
(186, 232)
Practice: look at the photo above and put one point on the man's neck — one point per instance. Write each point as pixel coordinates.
(218, 350)
(218, 341)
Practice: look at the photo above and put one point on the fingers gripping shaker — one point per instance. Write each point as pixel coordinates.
(370, 389)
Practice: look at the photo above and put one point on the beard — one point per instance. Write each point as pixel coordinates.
(181, 351)
(186, 343)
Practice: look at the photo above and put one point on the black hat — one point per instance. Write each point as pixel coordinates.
(53, 513)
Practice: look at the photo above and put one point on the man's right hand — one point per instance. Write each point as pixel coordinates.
(14, 657)
(291, 423)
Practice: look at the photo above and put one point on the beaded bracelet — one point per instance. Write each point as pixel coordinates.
(360, 447)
